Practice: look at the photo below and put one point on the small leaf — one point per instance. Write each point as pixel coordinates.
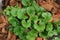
(14, 11)
(26, 2)
(34, 18)
(40, 27)
(8, 8)
(31, 35)
(58, 29)
(43, 34)
(42, 9)
(7, 12)
(21, 14)
(47, 16)
(39, 14)
(26, 24)
(17, 30)
(35, 5)
(30, 11)
(51, 33)
(55, 32)
(49, 27)
(13, 21)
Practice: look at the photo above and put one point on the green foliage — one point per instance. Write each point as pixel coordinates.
(36, 6)
(31, 20)
(31, 35)
(58, 29)
(56, 38)
(43, 35)
(13, 11)
(13, 21)
(34, 18)
(31, 10)
(57, 23)
(6, 11)
(51, 33)
(49, 27)
(21, 13)
(47, 15)
(40, 27)
(26, 24)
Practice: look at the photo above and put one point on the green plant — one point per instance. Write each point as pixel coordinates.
(30, 21)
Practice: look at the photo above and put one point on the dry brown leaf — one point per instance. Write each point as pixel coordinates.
(13, 37)
(9, 36)
(49, 5)
(56, 17)
(12, 2)
(2, 25)
(2, 18)
(46, 5)
(3, 30)
(6, 19)
(6, 2)
(3, 21)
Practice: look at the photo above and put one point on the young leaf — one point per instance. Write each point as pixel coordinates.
(51, 33)
(17, 31)
(13, 21)
(35, 5)
(26, 2)
(14, 11)
(6, 12)
(47, 16)
(31, 35)
(40, 27)
(21, 14)
(8, 8)
(43, 34)
(58, 29)
(39, 14)
(42, 9)
(34, 18)
(49, 27)
(30, 11)
(26, 24)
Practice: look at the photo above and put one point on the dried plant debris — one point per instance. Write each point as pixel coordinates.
(49, 5)
(3, 21)
(12, 3)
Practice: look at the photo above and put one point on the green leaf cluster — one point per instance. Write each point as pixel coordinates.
(30, 21)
